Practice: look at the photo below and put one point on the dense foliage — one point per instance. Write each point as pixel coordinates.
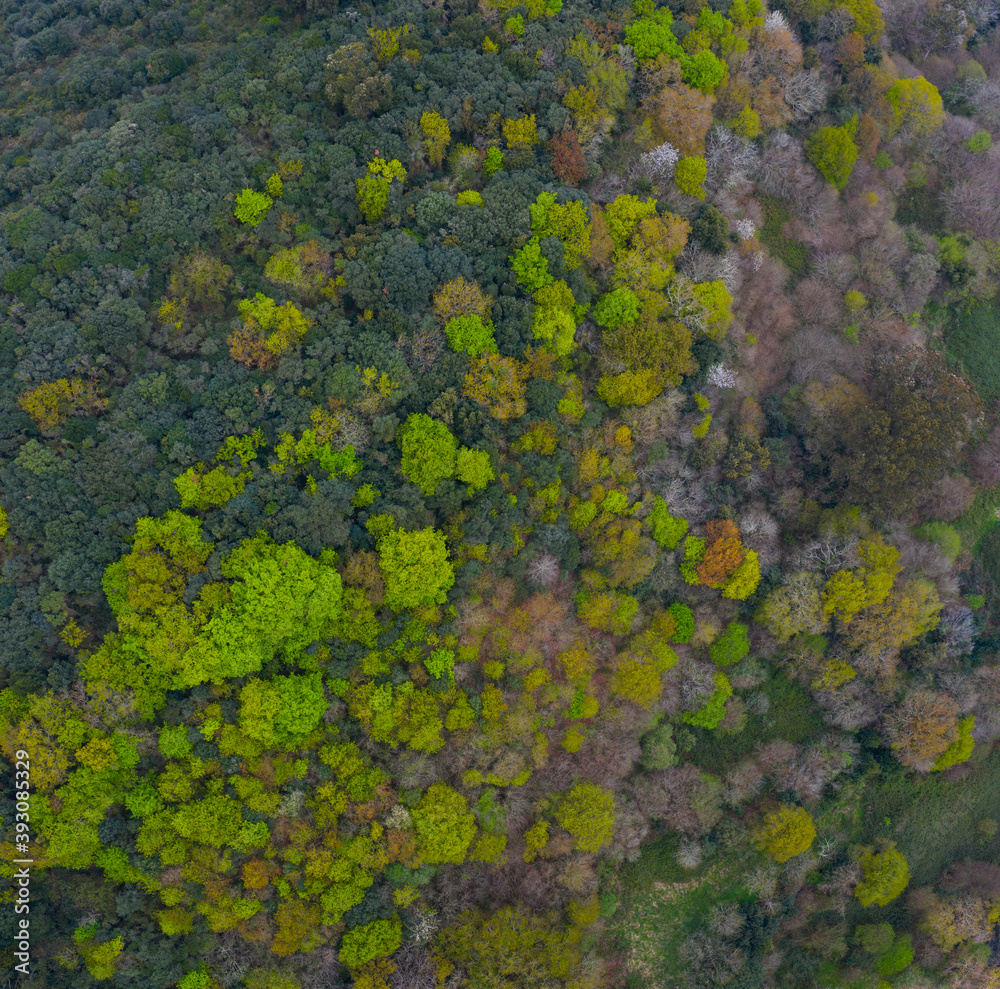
(501, 495)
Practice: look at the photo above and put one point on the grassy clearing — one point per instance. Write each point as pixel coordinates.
(934, 820)
(972, 336)
(662, 903)
(793, 253)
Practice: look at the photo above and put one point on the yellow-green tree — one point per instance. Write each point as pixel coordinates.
(884, 876)
(785, 833)
(437, 136)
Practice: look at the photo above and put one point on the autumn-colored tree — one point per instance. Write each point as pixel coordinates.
(567, 162)
(498, 384)
(785, 833)
(724, 552)
(50, 404)
(922, 728)
(681, 116)
(459, 297)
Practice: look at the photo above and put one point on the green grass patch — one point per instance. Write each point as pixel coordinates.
(662, 903)
(795, 255)
(972, 336)
(933, 820)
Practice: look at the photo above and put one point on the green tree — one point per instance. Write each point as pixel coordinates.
(617, 307)
(429, 451)
(731, 646)
(689, 175)
(833, 151)
(587, 812)
(884, 876)
(470, 334)
(378, 939)
(785, 833)
(444, 825)
(668, 530)
(251, 207)
(473, 467)
(415, 568)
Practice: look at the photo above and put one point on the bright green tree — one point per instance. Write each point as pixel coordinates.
(251, 207)
(833, 151)
(415, 568)
(617, 307)
(429, 451)
(470, 334)
(378, 939)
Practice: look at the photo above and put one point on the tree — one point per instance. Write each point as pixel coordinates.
(711, 229)
(922, 728)
(659, 750)
(617, 307)
(470, 334)
(521, 130)
(567, 162)
(785, 833)
(833, 151)
(378, 939)
(461, 298)
(793, 608)
(884, 876)
(724, 552)
(429, 452)
(415, 568)
(51, 403)
(916, 105)
(445, 827)
(893, 446)
(473, 467)
(251, 207)
(714, 709)
(681, 116)
(354, 80)
(570, 222)
(730, 647)
(587, 812)
(668, 530)
(690, 174)
(497, 383)
(437, 136)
